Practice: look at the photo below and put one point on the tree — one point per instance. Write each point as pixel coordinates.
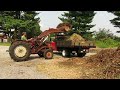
(20, 21)
(80, 21)
(6, 21)
(103, 34)
(31, 24)
(116, 20)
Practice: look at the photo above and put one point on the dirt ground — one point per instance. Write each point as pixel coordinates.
(19, 70)
(39, 68)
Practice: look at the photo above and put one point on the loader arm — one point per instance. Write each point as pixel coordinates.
(40, 39)
(43, 35)
(50, 31)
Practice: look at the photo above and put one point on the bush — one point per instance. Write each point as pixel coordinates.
(105, 39)
(103, 34)
(107, 43)
(117, 38)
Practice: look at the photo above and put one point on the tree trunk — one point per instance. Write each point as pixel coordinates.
(15, 34)
(19, 34)
(2, 40)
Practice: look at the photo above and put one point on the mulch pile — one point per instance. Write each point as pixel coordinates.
(109, 60)
(104, 65)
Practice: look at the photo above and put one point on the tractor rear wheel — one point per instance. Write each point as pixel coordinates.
(48, 54)
(19, 51)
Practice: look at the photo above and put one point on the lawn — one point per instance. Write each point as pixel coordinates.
(4, 44)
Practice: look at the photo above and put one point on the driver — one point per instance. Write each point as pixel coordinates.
(23, 37)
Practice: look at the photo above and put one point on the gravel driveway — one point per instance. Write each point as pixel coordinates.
(18, 70)
(23, 70)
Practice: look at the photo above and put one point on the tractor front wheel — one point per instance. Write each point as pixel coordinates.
(48, 54)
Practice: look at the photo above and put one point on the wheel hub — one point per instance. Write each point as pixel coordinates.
(20, 51)
(63, 53)
(49, 54)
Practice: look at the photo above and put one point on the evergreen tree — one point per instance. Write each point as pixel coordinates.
(80, 21)
(20, 21)
(31, 23)
(116, 20)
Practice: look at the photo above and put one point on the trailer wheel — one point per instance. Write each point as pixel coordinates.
(19, 51)
(65, 53)
(81, 54)
(48, 54)
(73, 54)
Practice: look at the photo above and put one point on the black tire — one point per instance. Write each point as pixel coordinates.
(40, 54)
(81, 54)
(66, 53)
(73, 54)
(48, 54)
(15, 56)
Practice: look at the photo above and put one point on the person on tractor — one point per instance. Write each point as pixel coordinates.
(23, 37)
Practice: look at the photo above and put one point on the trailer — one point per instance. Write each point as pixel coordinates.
(67, 47)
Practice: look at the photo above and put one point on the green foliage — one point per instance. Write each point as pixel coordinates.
(107, 43)
(80, 21)
(21, 21)
(117, 38)
(4, 44)
(105, 39)
(116, 20)
(37, 30)
(103, 34)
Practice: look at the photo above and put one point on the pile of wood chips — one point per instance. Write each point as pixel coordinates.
(104, 65)
(109, 60)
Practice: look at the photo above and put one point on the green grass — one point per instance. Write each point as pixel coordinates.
(4, 44)
(108, 43)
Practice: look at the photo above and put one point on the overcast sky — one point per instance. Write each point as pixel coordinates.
(49, 19)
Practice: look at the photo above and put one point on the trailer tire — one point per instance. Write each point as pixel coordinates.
(19, 51)
(48, 54)
(81, 54)
(73, 54)
(66, 53)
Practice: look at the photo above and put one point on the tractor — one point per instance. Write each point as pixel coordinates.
(20, 50)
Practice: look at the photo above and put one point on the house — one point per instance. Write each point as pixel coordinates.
(3, 36)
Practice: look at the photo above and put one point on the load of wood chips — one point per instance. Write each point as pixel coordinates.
(76, 39)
